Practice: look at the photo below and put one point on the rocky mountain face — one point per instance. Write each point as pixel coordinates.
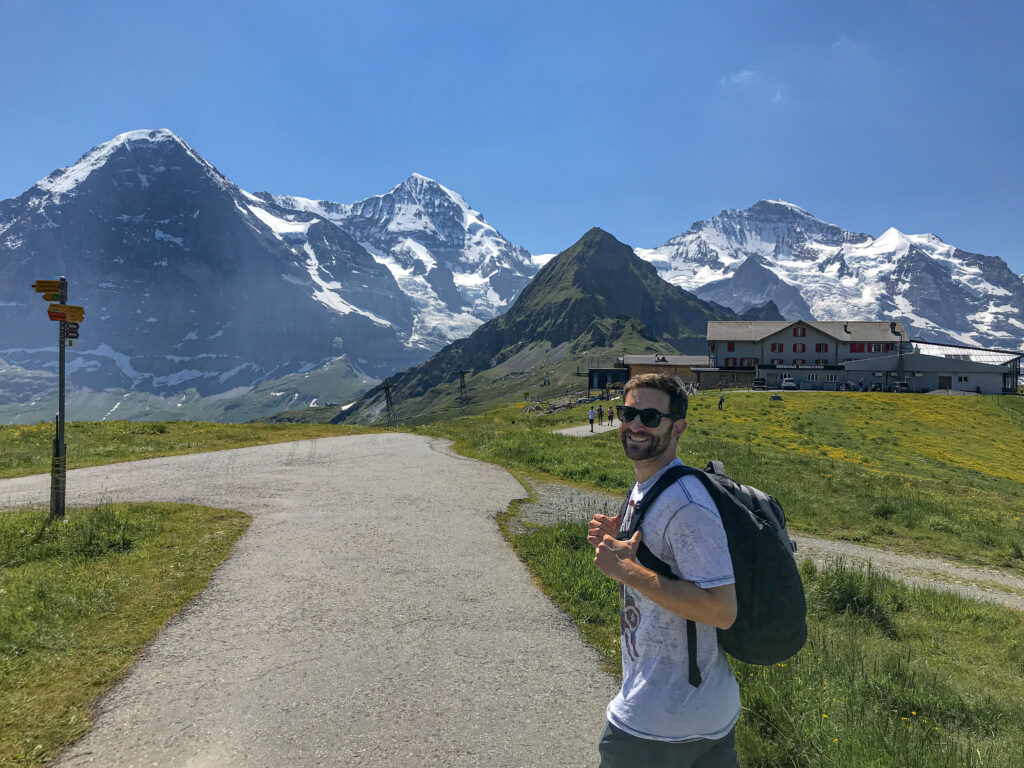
(587, 296)
(456, 269)
(191, 283)
(814, 270)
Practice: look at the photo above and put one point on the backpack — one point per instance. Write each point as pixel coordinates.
(771, 612)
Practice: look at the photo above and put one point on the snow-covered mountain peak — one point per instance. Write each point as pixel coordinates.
(66, 180)
(891, 240)
(456, 268)
(812, 269)
(779, 207)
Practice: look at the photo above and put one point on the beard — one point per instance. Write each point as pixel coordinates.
(653, 444)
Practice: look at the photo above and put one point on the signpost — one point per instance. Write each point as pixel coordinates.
(69, 316)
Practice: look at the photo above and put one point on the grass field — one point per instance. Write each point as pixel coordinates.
(79, 599)
(891, 676)
(911, 473)
(26, 449)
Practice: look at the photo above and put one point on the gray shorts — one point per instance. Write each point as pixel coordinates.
(622, 750)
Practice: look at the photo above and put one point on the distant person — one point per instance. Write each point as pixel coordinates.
(721, 400)
(720, 385)
(591, 417)
(611, 415)
(658, 718)
(600, 415)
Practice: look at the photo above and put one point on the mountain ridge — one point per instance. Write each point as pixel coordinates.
(817, 270)
(584, 300)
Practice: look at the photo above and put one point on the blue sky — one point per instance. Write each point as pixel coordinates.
(552, 117)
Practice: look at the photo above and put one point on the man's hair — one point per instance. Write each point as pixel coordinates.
(677, 399)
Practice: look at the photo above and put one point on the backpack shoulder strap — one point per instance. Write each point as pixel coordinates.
(670, 476)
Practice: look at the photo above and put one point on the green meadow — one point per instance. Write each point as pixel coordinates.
(80, 597)
(891, 675)
(26, 449)
(910, 473)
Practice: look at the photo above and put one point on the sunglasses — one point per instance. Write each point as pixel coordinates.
(649, 417)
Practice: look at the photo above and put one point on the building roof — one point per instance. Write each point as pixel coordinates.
(974, 354)
(841, 330)
(678, 360)
(919, 361)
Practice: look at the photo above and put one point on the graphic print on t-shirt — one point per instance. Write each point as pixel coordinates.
(629, 620)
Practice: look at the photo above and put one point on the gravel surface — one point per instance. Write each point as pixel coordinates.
(556, 502)
(372, 616)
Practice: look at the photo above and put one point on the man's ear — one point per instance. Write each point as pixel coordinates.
(678, 427)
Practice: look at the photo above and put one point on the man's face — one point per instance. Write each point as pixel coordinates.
(645, 443)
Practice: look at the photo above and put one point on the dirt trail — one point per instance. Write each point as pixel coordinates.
(557, 502)
(371, 616)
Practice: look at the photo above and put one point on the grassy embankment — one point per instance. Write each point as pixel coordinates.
(922, 474)
(891, 675)
(80, 598)
(25, 450)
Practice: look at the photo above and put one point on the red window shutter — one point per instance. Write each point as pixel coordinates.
(731, 347)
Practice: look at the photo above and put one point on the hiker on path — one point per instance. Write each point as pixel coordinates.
(611, 414)
(721, 400)
(591, 417)
(659, 718)
(600, 415)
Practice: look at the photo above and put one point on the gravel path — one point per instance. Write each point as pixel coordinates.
(557, 502)
(371, 616)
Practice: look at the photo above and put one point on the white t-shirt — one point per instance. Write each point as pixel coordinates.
(656, 701)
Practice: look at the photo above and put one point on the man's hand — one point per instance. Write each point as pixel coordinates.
(601, 526)
(613, 557)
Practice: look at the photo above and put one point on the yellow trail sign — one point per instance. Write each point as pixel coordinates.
(72, 312)
(46, 286)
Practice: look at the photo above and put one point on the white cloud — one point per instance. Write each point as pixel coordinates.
(741, 78)
(755, 83)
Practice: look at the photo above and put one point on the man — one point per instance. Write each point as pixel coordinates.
(659, 720)
(591, 417)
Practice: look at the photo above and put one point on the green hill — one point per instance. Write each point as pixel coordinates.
(591, 303)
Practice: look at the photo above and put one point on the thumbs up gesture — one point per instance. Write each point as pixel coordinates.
(613, 558)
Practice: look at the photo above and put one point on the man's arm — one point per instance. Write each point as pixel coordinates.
(715, 606)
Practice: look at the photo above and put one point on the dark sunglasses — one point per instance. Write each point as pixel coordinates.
(649, 417)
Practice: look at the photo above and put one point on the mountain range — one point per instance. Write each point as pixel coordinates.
(202, 297)
(817, 271)
(194, 286)
(594, 300)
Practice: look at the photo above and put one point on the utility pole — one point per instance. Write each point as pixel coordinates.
(463, 397)
(67, 317)
(389, 405)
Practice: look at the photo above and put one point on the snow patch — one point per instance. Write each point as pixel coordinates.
(281, 227)
(327, 296)
(161, 235)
